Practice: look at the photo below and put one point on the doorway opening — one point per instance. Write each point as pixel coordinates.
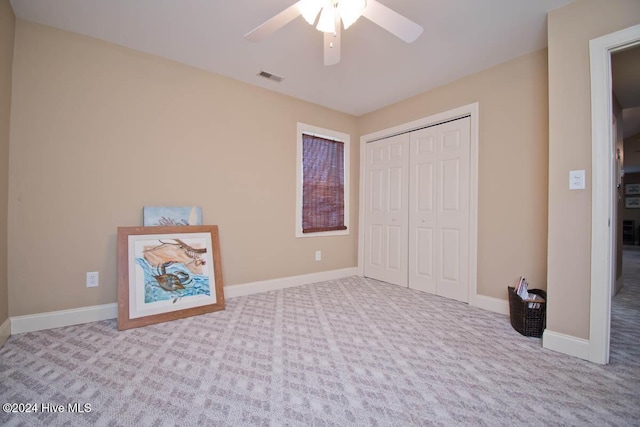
(605, 180)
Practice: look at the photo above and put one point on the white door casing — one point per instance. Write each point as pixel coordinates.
(602, 195)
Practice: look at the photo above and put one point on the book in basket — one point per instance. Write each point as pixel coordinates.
(522, 290)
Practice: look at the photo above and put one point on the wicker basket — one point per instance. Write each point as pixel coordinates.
(530, 322)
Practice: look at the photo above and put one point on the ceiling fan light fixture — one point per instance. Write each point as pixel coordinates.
(309, 9)
(327, 21)
(350, 11)
(330, 13)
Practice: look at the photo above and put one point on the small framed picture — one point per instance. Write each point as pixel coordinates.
(167, 273)
(632, 202)
(632, 189)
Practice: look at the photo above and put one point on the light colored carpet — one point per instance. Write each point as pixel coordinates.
(349, 352)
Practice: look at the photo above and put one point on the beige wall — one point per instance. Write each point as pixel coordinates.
(512, 217)
(99, 131)
(569, 30)
(7, 28)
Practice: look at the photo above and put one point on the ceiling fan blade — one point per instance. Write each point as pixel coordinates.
(274, 24)
(392, 21)
(332, 47)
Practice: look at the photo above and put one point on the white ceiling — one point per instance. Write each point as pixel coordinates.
(461, 37)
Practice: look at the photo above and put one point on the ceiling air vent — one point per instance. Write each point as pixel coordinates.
(270, 76)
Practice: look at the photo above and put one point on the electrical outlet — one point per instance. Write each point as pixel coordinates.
(318, 255)
(93, 279)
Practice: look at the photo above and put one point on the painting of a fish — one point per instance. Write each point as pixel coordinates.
(166, 273)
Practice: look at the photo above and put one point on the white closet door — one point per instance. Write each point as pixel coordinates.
(422, 209)
(386, 215)
(439, 210)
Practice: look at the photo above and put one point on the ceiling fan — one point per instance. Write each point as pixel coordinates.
(329, 14)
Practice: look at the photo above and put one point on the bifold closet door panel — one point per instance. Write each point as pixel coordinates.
(422, 209)
(439, 209)
(386, 210)
(453, 212)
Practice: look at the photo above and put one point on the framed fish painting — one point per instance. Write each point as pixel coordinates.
(167, 273)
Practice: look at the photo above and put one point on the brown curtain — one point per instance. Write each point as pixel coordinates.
(323, 184)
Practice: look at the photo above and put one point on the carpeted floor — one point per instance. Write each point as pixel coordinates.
(349, 352)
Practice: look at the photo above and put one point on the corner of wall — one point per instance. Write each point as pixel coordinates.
(7, 42)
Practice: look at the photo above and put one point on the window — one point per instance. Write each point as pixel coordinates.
(322, 207)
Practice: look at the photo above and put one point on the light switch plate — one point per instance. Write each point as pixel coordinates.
(577, 180)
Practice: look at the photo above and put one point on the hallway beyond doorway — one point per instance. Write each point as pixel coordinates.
(625, 312)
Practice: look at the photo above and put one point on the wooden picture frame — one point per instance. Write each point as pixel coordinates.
(167, 273)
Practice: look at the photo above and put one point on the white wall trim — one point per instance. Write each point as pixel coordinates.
(566, 344)
(62, 318)
(602, 202)
(286, 282)
(5, 331)
(472, 110)
(495, 305)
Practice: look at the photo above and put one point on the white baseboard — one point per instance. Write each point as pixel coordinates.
(286, 282)
(5, 331)
(58, 319)
(565, 344)
(490, 304)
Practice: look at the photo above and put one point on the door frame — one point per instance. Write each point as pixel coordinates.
(473, 111)
(603, 235)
